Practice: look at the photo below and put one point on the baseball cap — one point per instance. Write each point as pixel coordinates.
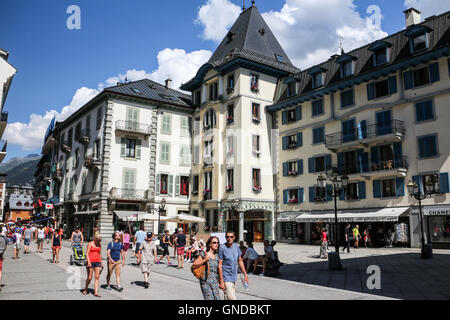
(149, 234)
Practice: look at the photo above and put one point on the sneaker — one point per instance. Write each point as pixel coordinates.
(120, 289)
(251, 273)
(108, 287)
(146, 285)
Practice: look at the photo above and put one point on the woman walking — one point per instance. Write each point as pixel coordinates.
(126, 241)
(94, 263)
(56, 245)
(209, 284)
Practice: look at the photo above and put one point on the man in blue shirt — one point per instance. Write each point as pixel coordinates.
(139, 238)
(229, 258)
(116, 259)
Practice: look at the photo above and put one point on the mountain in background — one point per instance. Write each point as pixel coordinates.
(20, 170)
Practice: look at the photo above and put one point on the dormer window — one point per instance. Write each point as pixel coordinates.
(317, 74)
(347, 69)
(262, 31)
(279, 58)
(347, 65)
(230, 37)
(291, 88)
(418, 37)
(380, 51)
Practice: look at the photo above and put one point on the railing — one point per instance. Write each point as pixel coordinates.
(4, 117)
(208, 161)
(207, 195)
(133, 126)
(386, 165)
(359, 134)
(83, 136)
(135, 194)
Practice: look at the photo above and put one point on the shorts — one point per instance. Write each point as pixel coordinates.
(96, 265)
(26, 242)
(56, 247)
(146, 267)
(16, 246)
(166, 251)
(138, 244)
(116, 266)
(180, 251)
(39, 241)
(126, 246)
(230, 291)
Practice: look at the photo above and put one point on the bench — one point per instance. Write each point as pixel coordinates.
(272, 267)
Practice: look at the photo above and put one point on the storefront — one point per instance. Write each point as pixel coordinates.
(289, 230)
(86, 220)
(437, 223)
(386, 226)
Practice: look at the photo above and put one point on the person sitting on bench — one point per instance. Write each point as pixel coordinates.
(267, 258)
(249, 257)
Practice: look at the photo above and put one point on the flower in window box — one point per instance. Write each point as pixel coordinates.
(230, 118)
(293, 200)
(206, 191)
(195, 192)
(257, 188)
(163, 191)
(229, 188)
(292, 173)
(206, 127)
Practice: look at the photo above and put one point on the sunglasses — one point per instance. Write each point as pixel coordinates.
(215, 242)
(230, 237)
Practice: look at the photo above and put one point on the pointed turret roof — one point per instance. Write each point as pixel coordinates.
(250, 38)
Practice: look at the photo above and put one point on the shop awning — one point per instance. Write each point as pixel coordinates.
(184, 218)
(136, 215)
(85, 212)
(361, 215)
(288, 216)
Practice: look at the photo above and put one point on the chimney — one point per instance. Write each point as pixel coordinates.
(412, 17)
(168, 83)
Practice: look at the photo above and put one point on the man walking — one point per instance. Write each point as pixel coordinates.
(229, 258)
(116, 259)
(147, 250)
(40, 239)
(348, 236)
(139, 238)
(180, 242)
(165, 243)
(27, 236)
(3, 246)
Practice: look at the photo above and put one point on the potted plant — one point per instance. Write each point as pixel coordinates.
(257, 188)
(229, 188)
(294, 200)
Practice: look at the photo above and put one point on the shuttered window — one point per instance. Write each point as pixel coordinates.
(428, 146)
(424, 111)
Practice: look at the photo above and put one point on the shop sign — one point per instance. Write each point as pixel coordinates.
(49, 206)
(437, 211)
(254, 215)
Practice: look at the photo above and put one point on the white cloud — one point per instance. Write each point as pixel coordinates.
(216, 16)
(428, 7)
(310, 35)
(181, 67)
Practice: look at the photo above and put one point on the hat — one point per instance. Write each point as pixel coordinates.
(97, 235)
(149, 234)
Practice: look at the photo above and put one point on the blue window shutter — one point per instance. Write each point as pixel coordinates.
(342, 195)
(428, 110)
(329, 190)
(322, 134)
(300, 195)
(343, 100)
(397, 154)
(419, 111)
(311, 163)
(315, 139)
(299, 139)
(392, 85)
(284, 116)
(285, 169)
(365, 162)
(284, 141)
(448, 63)
(374, 155)
(434, 72)
(443, 182)
(417, 180)
(285, 196)
(300, 166)
(298, 113)
(376, 189)
(400, 187)
(408, 79)
(370, 91)
(328, 162)
(123, 143)
(340, 159)
(362, 189)
(311, 194)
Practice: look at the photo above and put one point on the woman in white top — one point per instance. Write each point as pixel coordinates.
(40, 239)
(18, 238)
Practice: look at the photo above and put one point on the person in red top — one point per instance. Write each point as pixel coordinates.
(324, 244)
(94, 263)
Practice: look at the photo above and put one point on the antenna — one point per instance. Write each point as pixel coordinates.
(341, 47)
(243, 5)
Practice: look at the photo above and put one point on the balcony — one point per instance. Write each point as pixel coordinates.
(396, 167)
(3, 145)
(3, 122)
(66, 147)
(92, 161)
(208, 161)
(207, 194)
(394, 131)
(83, 136)
(129, 194)
(134, 127)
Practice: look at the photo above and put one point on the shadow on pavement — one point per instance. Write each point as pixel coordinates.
(402, 276)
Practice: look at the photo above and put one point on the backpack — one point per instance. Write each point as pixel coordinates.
(3, 245)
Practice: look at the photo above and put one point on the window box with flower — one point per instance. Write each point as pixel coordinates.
(293, 200)
(257, 188)
(254, 88)
(229, 188)
(292, 173)
(163, 191)
(230, 119)
(195, 192)
(206, 127)
(230, 90)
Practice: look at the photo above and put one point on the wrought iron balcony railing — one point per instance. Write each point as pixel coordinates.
(133, 126)
(132, 194)
(400, 163)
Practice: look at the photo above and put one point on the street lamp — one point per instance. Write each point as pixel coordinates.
(339, 185)
(162, 207)
(413, 190)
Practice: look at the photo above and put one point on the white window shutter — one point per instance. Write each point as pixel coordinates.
(177, 185)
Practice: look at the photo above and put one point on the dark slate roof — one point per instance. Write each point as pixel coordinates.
(148, 89)
(245, 40)
(439, 38)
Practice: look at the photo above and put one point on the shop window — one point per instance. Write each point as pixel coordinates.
(439, 228)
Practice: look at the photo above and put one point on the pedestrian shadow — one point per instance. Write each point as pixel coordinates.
(138, 283)
(402, 276)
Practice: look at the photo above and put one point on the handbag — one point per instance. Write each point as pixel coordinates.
(199, 272)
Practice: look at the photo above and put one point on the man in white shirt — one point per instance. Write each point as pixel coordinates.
(269, 256)
(4, 230)
(250, 256)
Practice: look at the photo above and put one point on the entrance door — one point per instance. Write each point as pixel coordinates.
(258, 231)
(185, 227)
(248, 236)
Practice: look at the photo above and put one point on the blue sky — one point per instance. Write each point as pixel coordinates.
(117, 36)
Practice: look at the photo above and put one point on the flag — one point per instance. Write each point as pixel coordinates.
(40, 202)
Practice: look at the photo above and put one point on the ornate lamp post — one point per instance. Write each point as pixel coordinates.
(339, 185)
(413, 190)
(162, 207)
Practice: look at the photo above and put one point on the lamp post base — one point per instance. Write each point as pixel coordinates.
(427, 252)
(334, 261)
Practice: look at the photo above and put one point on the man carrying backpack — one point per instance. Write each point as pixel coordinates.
(3, 246)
